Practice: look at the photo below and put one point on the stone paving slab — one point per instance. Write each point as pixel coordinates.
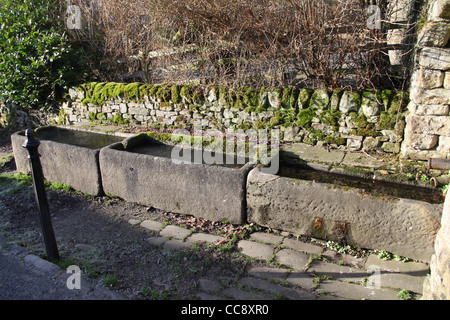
(410, 267)
(280, 291)
(255, 249)
(335, 271)
(402, 281)
(306, 153)
(175, 244)
(176, 232)
(157, 241)
(266, 237)
(152, 225)
(292, 259)
(271, 273)
(302, 279)
(239, 294)
(204, 237)
(301, 246)
(356, 292)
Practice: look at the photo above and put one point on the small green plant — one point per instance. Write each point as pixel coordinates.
(445, 189)
(109, 280)
(384, 255)
(404, 295)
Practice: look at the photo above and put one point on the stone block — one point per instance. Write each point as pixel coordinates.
(437, 284)
(428, 110)
(447, 80)
(439, 9)
(439, 125)
(354, 143)
(423, 141)
(432, 96)
(370, 143)
(434, 34)
(350, 102)
(435, 58)
(391, 147)
(429, 79)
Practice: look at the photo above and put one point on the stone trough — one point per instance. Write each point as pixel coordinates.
(68, 156)
(141, 170)
(296, 200)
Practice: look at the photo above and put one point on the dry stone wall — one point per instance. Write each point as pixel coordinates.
(354, 120)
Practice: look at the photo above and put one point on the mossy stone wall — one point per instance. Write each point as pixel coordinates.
(355, 120)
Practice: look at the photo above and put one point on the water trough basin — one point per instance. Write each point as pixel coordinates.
(142, 170)
(68, 156)
(363, 213)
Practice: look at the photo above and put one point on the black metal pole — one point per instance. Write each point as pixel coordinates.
(32, 144)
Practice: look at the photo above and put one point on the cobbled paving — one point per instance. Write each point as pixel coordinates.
(297, 270)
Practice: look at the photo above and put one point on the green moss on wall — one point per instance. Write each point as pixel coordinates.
(175, 94)
(305, 117)
(304, 96)
(131, 91)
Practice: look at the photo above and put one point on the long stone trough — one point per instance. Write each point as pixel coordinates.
(142, 170)
(68, 156)
(325, 210)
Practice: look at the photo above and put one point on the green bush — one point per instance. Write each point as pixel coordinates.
(37, 61)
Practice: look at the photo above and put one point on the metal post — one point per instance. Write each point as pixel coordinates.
(32, 144)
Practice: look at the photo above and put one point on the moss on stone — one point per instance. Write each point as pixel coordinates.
(223, 95)
(304, 96)
(305, 117)
(108, 91)
(119, 90)
(359, 119)
(275, 121)
(251, 97)
(335, 140)
(330, 117)
(319, 99)
(399, 102)
(118, 119)
(163, 94)
(153, 90)
(175, 94)
(131, 91)
(286, 97)
(144, 90)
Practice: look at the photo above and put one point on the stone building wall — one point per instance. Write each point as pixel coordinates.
(427, 132)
